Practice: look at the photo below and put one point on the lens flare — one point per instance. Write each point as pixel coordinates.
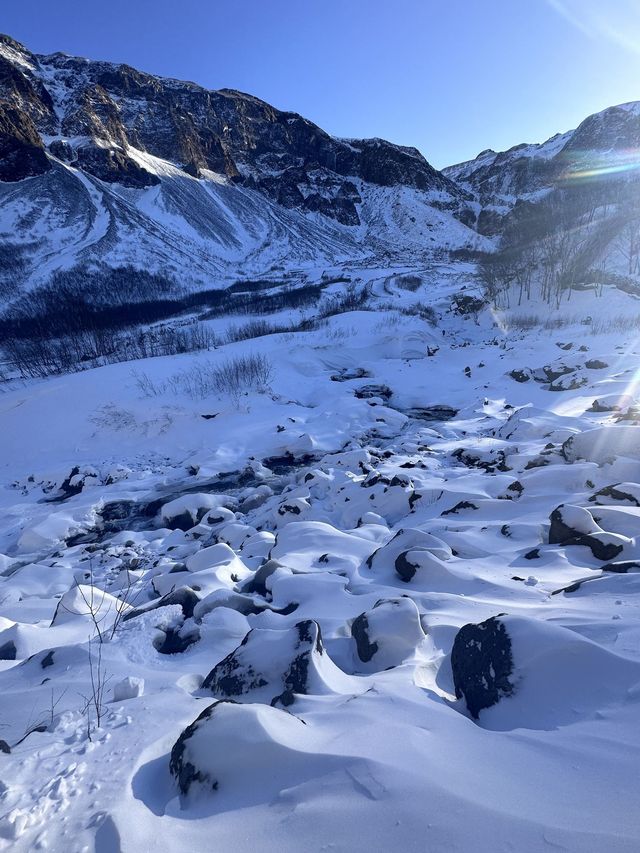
(591, 167)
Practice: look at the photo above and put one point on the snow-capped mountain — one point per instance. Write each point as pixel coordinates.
(103, 164)
(604, 145)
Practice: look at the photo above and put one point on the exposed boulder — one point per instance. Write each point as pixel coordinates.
(521, 374)
(409, 550)
(570, 382)
(482, 664)
(276, 665)
(387, 634)
(574, 525)
(603, 444)
(8, 650)
(368, 392)
(184, 596)
(516, 672)
(617, 493)
(186, 511)
(612, 403)
(174, 640)
(245, 752)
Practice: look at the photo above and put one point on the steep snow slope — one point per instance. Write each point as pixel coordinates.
(203, 230)
(101, 164)
(280, 586)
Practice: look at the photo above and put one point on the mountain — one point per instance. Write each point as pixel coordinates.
(103, 167)
(600, 147)
(122, 167)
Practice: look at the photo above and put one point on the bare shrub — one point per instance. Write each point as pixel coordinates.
(252, 329)
(38, 357)
(241, 374)
(353, 299)
(409, 282)
(234, 377)
(618, 323)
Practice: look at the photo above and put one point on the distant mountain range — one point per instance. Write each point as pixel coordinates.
(105, 166)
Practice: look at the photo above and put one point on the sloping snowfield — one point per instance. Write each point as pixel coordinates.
(262, 599)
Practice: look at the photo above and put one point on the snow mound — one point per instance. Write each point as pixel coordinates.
(409, 551)
(603, 444)
(515, 672)
(244, 753)
(387, 635)
(275, 666)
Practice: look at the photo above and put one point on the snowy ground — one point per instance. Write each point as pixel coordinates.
(353, 536)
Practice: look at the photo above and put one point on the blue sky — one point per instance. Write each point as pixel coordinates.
(451, 77)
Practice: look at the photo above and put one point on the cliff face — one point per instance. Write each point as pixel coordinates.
(93, 113)
(101, 164)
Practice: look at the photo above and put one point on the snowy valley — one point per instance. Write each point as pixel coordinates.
(335, 545)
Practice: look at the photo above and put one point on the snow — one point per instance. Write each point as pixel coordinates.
(304, 502)
(229, 619)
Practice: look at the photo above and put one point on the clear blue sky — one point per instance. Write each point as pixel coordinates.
(451, 77)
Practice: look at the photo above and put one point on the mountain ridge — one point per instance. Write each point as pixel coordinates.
(134, 162)
(123, 167)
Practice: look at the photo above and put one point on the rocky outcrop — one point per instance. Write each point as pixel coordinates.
(22, 153)
(113, 166)
(285, 156)
(574, 525)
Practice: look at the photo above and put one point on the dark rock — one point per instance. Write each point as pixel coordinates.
(47, 660)
(62, 150)
(350, 373)
(621, 567)
(184, 772)
(4, 747)
(285, 672)
(561, 533)
(359, 631)
(459, 506)
(366, 392)
(184, 596)
(404, 568)
(556, 371)
(22, 154)
(616, 494)
(289, 508)
(177, 640)
(431, 413)
(182, 521)
(570, 383)
(482, 664)
(257, 584)
(113, 166)
(538, 462)
(8, 651)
